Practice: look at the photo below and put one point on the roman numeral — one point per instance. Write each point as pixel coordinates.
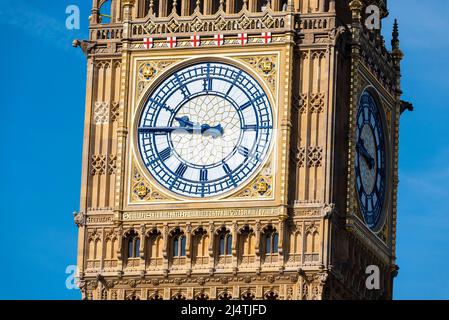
(181, 169)
(207, 84)
(243, 151)
(237, 76)
(226, 168)
(250, 127)
(165, 154)
(246, 105)
(203, 175)
(183, 87)
(228, 172)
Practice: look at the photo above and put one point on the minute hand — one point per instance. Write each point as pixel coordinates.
(204, 129)
(361, 148)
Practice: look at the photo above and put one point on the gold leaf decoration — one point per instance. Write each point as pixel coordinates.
(142, 190)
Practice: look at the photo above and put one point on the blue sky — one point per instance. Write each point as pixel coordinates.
(41, 130)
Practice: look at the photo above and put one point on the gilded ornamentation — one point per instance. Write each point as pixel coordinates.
(142, 190)
(261, 186)
(265, 66)
(148, 70)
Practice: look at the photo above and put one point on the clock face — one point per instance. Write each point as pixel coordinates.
(205, 130)
(370, 160)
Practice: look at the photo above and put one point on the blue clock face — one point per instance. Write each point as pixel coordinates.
(205, 130)
(370, 160)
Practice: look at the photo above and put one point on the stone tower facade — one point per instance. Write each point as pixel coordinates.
(298, 226)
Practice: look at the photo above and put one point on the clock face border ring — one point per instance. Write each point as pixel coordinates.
(386, 206)
(142, 101)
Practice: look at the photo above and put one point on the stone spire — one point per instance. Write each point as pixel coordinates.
(396, 51)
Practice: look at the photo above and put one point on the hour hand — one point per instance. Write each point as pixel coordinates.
(214, 132)
(204, 129)
(184, 122)
(362, 149)
(187, 126)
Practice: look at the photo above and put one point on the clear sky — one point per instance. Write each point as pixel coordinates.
(41, 130)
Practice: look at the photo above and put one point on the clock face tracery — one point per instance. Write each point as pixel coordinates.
(370, 160)
(205, 130)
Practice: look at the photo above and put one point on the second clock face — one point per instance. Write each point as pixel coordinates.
(370, 161)
(205, 130)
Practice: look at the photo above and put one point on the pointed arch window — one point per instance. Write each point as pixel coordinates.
(179, 245)
(271, 241)
(133, 241)
(106, 12)
(225, 244)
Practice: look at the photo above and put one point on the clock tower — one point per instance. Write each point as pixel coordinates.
(239, 149)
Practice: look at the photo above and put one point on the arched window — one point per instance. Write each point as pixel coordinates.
(225, 243)
(271, 240)
(94, 245)
(154, 247)
(133, 245)
(247, 245)
(179, 244)
(105, 12)
(312, 240)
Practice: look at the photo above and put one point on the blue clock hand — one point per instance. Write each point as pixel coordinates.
(161, 129)
(184, 122)
(188, 126)
(361, 148)
(214, 132)
(204, 129)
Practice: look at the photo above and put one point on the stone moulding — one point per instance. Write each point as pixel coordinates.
(201, 214)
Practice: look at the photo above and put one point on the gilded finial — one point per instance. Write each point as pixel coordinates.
(356, 7)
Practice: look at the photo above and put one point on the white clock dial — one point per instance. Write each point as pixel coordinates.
(370, 162)
(205, 130)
